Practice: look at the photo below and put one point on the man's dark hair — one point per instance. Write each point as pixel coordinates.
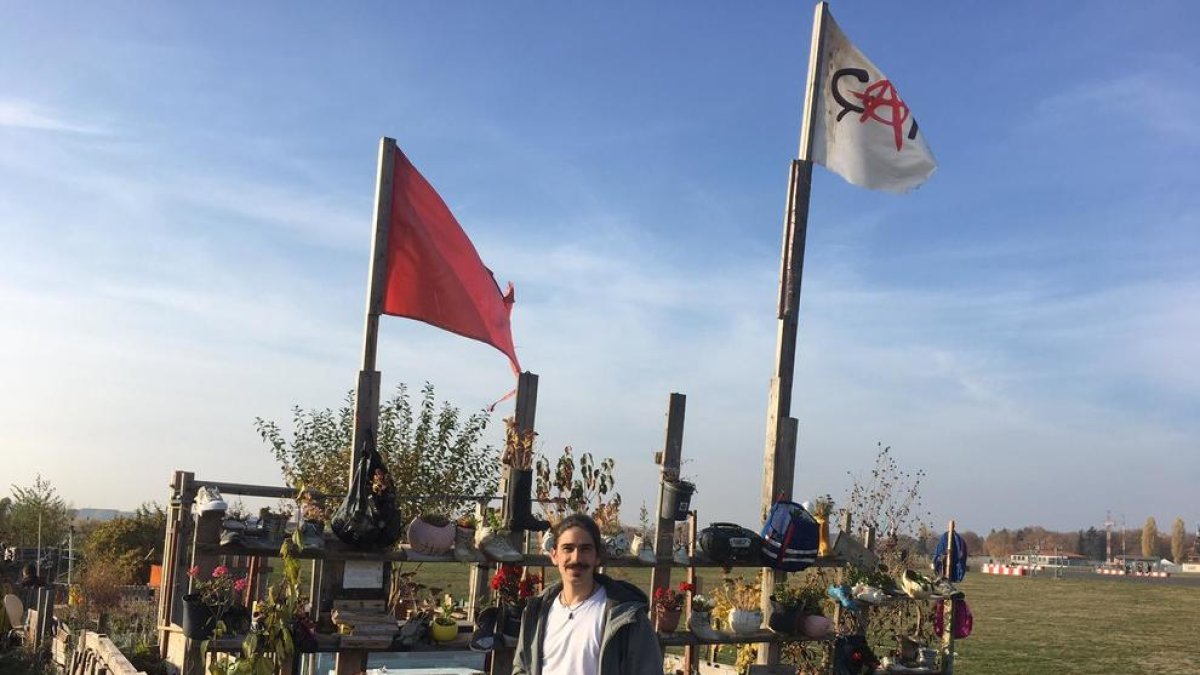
(585, 522)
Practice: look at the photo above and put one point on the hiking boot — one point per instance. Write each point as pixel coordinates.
(521, 518)
(496, 546)
(464, 546)
(209, 499)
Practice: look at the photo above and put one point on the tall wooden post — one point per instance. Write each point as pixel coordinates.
(524, 415)
(779, 453)
(948, 608)
(366, 400)
(669, 460)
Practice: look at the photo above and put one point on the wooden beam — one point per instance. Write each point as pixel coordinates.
(669, 461)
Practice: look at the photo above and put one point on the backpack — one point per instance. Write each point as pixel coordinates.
(958, 566)
(790, 537)
(963, 621)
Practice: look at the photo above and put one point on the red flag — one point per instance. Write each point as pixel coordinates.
(434, 273)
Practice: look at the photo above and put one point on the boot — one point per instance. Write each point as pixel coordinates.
(642, 550)
(700, 623)
(464, 546)
(520, 505)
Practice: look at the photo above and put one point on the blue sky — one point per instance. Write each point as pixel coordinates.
(185, 201)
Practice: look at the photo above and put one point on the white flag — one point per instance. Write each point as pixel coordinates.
(864, 131)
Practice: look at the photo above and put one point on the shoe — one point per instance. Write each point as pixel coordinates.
(681, 556)
(915, 585)
(642, 550)
(484, 637)
(521, 518)
(700, 623)
(869, 594)
(208, 499)
(464, 546)
(496, 546)
(942, 587)
(842, 595)
(312, 536)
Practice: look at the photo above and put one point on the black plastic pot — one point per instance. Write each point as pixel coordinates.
(676, 499)
(198, 619)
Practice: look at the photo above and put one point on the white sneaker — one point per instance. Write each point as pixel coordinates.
(208, 499)
(497, 547)
(681, 556)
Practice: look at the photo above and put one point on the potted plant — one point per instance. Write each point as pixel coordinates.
(797, 610)
(445, 626)
(668, 606)
(431, 534)
(700, 618)
(513, 585)
(740, 602)
(822, 511)
(211, 598)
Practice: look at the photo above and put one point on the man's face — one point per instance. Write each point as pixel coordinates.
(575, 555)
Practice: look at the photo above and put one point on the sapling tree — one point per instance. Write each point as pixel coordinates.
(429, 449)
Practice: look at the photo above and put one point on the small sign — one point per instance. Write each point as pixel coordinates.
(362, 574)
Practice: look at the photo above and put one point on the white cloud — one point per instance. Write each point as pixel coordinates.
(28, 115)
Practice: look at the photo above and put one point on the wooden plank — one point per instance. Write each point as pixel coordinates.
(669, 461)
(780, 473)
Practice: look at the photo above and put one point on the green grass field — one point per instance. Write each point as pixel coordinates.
(1079, 625)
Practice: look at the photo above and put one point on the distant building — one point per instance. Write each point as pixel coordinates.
(1037, 559)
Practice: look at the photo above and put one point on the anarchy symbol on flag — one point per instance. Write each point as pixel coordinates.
(878, 95)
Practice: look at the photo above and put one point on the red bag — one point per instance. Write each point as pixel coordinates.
(963, 621)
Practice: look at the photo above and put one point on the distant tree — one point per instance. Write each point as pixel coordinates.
(1150, 538)
(1178, 540)
(1000, 544)
(1091, 544)
(974, 542)
(429, 450)
(38, 502)
(129, 544)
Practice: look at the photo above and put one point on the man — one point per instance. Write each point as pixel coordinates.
(588, 623)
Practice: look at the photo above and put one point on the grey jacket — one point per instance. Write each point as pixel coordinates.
(629, 645)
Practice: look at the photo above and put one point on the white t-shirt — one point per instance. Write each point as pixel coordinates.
(571, 641)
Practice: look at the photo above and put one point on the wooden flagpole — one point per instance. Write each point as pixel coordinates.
(366, 399)
(779, 453)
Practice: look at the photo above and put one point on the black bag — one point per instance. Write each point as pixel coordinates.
(853, 656)
(368, 518)
(730, 543)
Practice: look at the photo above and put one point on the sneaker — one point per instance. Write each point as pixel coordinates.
(842, 595)
(942, 587)
(208, 499)
(915, 586)
(869, 594)
(497, 547)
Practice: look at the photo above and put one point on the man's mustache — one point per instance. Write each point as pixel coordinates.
(578, 566)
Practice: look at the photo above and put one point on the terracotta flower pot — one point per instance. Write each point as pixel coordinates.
(666, 620)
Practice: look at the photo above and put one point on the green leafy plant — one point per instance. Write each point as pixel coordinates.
(429, 449)
(578, 488)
